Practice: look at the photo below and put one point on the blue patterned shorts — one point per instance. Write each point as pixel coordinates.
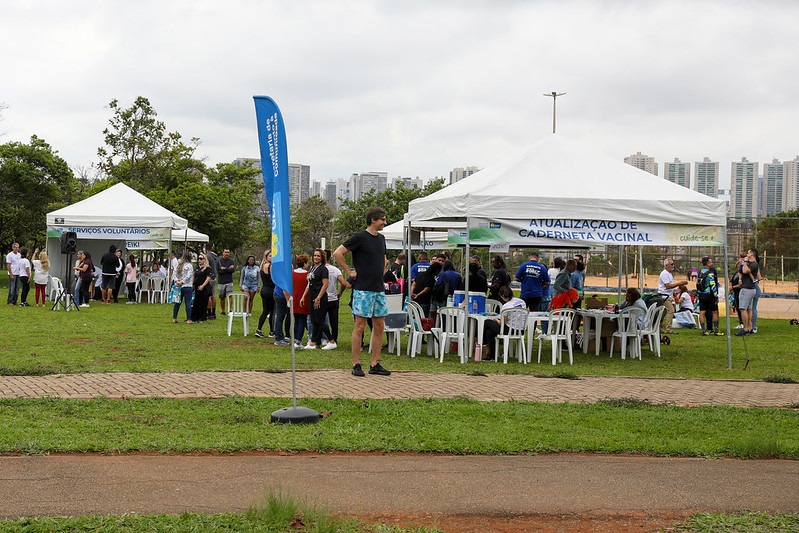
(369, 304)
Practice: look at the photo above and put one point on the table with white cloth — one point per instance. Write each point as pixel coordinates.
(478, 321)
(598, 316)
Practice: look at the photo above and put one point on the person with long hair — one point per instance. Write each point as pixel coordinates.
(85, 273)
(183, 278)
(267, 296)
(249, 281)
(758, 291)
(500, 277)
(491, 328)
(131, 277)
(748, 272)
(423, 287)
(202, 290)
(315, 295)
(632, 298)
(41, 275)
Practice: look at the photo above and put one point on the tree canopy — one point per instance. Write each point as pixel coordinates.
(310, 222)
(350, 217)
(778, 236)
(34, 180)
(219, 201)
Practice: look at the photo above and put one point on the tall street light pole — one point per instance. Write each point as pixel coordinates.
(554, 95)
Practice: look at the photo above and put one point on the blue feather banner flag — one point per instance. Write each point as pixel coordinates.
(275, 169)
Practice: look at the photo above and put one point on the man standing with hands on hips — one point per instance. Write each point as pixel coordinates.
(368, 249)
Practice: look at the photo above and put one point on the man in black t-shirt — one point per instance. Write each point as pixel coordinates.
(109, 263)
(368, 249)
(224, 277)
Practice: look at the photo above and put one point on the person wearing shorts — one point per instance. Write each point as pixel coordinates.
(369, 259)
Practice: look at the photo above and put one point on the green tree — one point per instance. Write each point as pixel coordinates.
(140, 152)
(310, 221)
(778, 236)
(34, 180)
(350, 216)
(221, 204)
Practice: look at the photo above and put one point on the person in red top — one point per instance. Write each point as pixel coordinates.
(300, 308)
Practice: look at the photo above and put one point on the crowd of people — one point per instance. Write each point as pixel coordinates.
(201, 282)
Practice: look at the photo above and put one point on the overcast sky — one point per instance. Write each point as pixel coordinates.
(413, 88)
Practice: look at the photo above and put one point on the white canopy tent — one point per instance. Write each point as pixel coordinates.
(119, 216)
(559, 193)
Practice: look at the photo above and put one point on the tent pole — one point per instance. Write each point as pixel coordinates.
(641, 280)
(466, 290)
(726, 296)
(406, 236)
(618, 290)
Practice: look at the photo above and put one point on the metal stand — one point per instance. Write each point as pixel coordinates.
(294, 414)
(65, 299)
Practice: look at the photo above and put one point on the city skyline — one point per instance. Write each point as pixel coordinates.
(357, 93)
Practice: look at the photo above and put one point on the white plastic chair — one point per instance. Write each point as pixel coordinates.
(628, 329)
(56, 288)
(144, 287)
(493, 306)
(396, 324)
(559, 331)
(452, 321)
(237, 304)
(516, 322)
(416, 333)
(654, 315)
(158, 290)
(394, 303)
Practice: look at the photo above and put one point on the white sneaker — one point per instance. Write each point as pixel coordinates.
(330, 346)
(754, 330)
(309, 346)
(739, 326)
(83, 305)
(299, 346)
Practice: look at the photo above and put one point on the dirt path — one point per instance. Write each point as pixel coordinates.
(558, 492)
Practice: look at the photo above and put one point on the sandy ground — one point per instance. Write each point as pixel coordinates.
(786, 287)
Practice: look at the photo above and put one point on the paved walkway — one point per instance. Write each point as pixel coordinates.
(339, 383)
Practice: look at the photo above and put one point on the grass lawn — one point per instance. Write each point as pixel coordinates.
(142, 338)
(458, 426)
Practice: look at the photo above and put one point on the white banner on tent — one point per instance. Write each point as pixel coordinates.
(499, 247)
(146, 245)
(571, 231)
(110, 233)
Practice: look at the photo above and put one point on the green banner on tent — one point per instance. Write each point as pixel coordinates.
(570, 231)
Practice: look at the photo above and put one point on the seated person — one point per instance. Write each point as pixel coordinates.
(632, 298)
(685, 308)
(491, 327)
(157, 271)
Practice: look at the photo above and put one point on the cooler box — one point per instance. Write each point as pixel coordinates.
(458, 297)
(477, 301)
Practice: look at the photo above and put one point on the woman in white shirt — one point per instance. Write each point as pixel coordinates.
(509, 301)
(41, 275)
